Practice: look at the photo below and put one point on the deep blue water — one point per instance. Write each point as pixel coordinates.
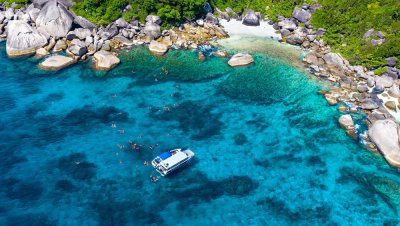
(268, 148)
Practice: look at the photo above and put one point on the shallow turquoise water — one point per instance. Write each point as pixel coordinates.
(268, 147)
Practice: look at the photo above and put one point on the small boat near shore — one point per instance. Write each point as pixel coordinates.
(172, 160)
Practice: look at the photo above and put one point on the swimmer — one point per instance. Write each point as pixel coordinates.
(77, 163)
(115, 96)
(165, 71)
(146, 163)
(154, 179)
(121, 131)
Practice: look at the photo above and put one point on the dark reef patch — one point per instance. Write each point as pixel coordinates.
(7, 102)
(240, 139)
(207, 190)
(385, 188)
(36, 107)
(21, 190)
(319, 213)
(263, 163)
(259, 122)
(315, 161)
(192, 117)
(76, 166)
(88, 116)
(30, 219)
(108, 211)
(65, 186)
(8, 155)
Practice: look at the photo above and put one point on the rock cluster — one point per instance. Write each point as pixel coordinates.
(44, 27)
(358, 88)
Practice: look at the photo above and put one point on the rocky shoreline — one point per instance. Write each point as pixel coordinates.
(356, 89)
(50, 27)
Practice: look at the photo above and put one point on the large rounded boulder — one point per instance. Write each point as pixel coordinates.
(158, 48)
(105, 60)
(301, 15)
(56, 62)
(55, 19)
(152, 30)
(241, 59)
(251, 19)
(22, 39)
(385, 134)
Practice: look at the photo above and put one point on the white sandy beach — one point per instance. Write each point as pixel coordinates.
(235, 27)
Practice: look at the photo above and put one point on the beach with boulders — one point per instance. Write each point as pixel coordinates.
(51, 30)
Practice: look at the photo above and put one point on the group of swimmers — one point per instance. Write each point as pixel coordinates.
(154, 179)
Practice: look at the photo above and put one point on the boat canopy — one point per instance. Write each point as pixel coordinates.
(173, 160)
(165, 155)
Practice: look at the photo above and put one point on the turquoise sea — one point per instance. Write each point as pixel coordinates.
(268, 148)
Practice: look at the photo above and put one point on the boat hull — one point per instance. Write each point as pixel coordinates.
(164, 172)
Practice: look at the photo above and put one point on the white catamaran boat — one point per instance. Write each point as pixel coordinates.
(171, 160)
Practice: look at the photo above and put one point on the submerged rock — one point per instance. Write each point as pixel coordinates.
(22, 39)
(105, 60)
(56, 62)
(240, 59)
(385, 134)
(157, 48)
(220, 53)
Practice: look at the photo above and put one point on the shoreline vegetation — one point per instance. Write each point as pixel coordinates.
(366, 33)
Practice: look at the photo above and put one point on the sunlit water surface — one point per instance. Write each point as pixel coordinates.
(268, 148)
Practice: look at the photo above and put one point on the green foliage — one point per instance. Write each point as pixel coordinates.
(380, 71)
(240, 6)
(20, 3)
(347, 21)
(170, 11)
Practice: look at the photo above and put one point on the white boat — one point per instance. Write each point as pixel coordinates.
(171, 160)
